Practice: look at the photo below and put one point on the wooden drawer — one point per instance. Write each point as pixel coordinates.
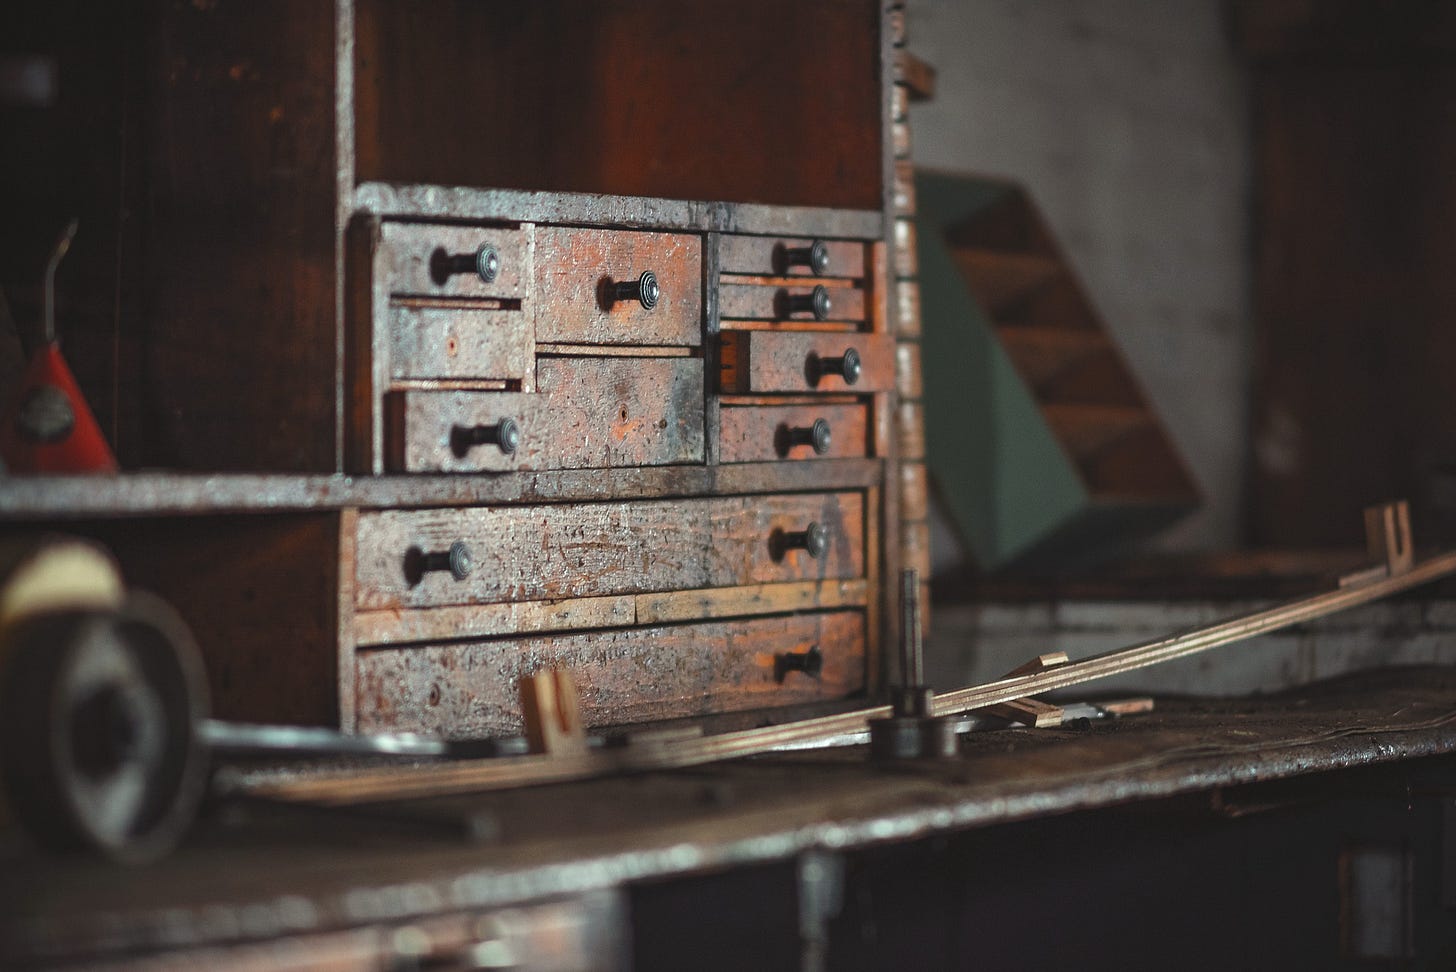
(586, 413)
(416, 260)
(785, 299)
(524, 553)
(575, 274)
(792, 361)
(769, 256)
(441, 340)
(769, 433)
(628, 675)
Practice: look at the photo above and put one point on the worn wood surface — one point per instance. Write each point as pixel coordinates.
(630, 675)
(411, 254)
(907, 308)
(541, 552)
(910, 430)
(585, 412)
(575, 269)
(771, 301)
(902, 189)
(908, 379)
(914, 491)
(771, 361)
(767, 256)
(907, 257)
(915, 74)
(761, 433)
(434, 340)
(626, 99)
(385, 627)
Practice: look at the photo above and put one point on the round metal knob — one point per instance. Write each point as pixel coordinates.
(815, 256)
(816, 303)
(456, 560)
(644, 290)
(816, 436)
(485, 263)
(809, 662)
(847, 366)
(505, 435)
(814, 540)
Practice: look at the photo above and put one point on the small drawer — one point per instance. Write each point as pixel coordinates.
(627, 675)
(586, 413)
(582, 277)
(533, 553)
(769, 433)
(785, 301)
(428, 259)
(434, 341)
(806, 361)
(781, 257)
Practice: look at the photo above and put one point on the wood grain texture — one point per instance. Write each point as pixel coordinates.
(411, 253)
(771, 302)
(772, 361)
(386, 627)
(907, 308)
(907, 257)
(575, 269)
(585, 413)
(908, 380)
(630, 675)
(902, 190)
(587, 550)
(915, 547)
(767, 255)
(914, 495)
(761, 433)
(459, 342)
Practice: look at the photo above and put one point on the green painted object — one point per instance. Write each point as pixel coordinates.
(1000, 467)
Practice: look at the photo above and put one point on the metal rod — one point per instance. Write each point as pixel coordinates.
(58, 252)
(912, 653)
(476, 775)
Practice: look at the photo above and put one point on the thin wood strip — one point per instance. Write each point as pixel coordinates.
(907, 307)
(914, 503)
(615, 351)
(837, 327)
(907, 370)
(907, 256)
(468, 776)
(762, 280)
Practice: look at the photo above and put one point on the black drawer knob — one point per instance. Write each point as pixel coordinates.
(809, 662)
(456, 560)
(846, 366)
(816, 303)
(644, 290)
(505, 435)
(485, 263)
(813, 540)
(815, 256)
(817, 436)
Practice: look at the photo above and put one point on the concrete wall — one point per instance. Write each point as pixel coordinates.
(1128, 121)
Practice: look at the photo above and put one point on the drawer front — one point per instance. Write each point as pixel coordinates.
(570, 551)
(434, 341)
(788, 257)
(420, 259)
(577, 270)
(629, 675)
(785, 301)
(769, 433)
(803, 361)
(586, 413)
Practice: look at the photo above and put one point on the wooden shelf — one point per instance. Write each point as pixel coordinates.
(1086, 430)
(1041, 353)
(1001, 280)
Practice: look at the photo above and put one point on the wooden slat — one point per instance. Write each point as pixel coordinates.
(907, 370)
(900, 139)
(574, 269)
(585, 413)
(915, 539)
(907, 307)
(1040, 353)
(1087, 429)
(771, 302)
(628, 675)
(435, 342)
(1000, 280)
(766, 255)
(904, 188)
(771, 361)
(907, 257)
(915, 74)
(899, 102)
(914, 496)
(895, 23)
(592, 549)
(910, 430)
(393, 627)
(760, 434)
(410, 248)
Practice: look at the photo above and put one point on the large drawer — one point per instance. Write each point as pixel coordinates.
(586, 413)
(628, 675)
(805, 361)
(437, 260)
(525, 553)
(576, 275)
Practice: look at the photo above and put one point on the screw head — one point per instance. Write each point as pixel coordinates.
(487, 263)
